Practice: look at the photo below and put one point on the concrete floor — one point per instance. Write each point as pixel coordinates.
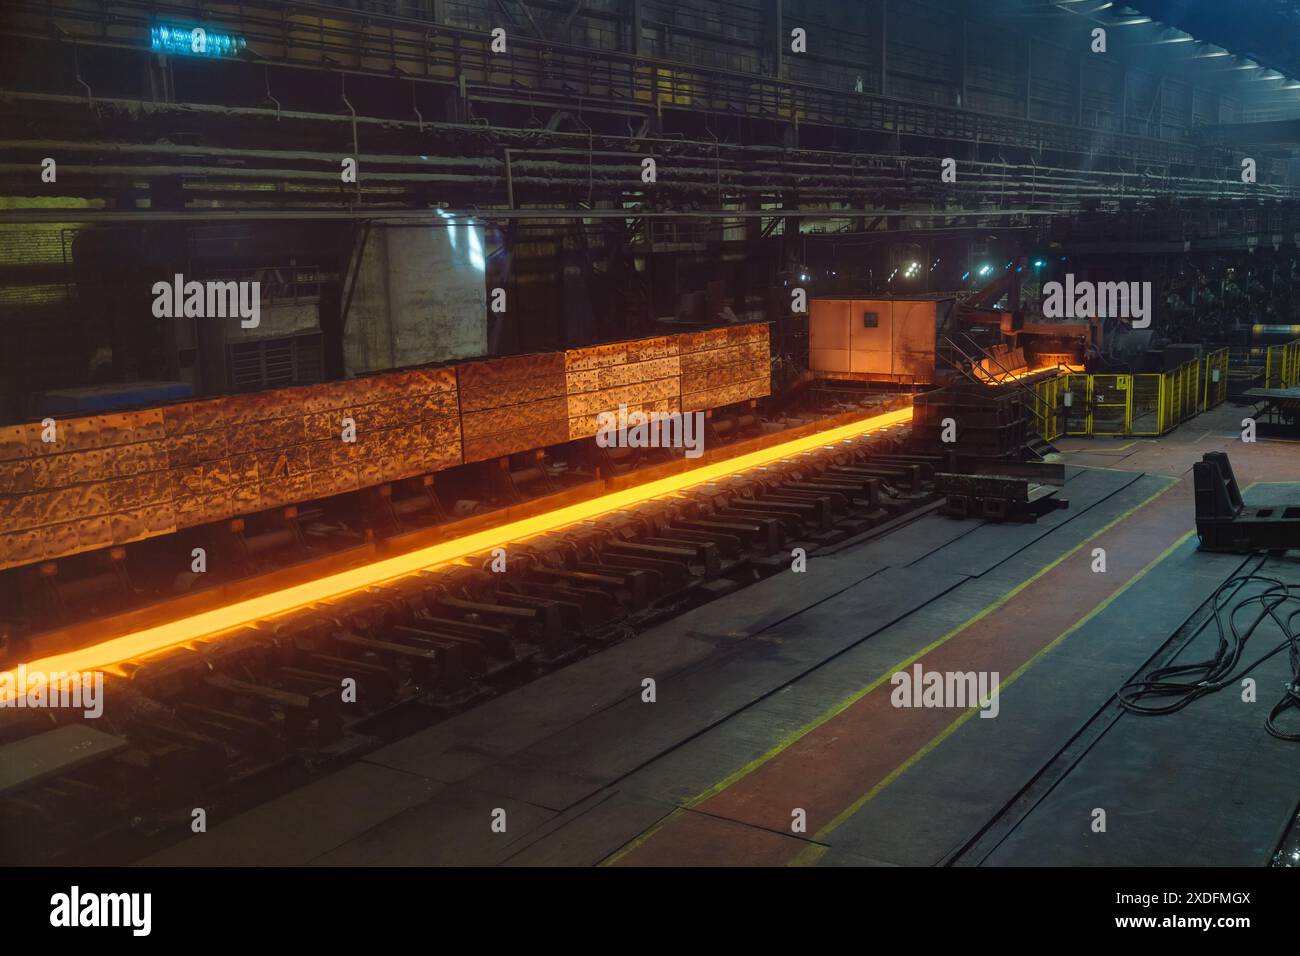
(773, 704)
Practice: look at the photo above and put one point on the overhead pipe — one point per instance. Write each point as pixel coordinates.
(781, 155)
(436, 217)
(1075, 185)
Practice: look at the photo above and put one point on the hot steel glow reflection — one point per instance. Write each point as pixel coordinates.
(212, 623)
(999, 377)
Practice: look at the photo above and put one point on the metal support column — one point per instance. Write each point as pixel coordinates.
(884, 47)
(778, 36)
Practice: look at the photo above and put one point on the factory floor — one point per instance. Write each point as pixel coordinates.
(773, 706)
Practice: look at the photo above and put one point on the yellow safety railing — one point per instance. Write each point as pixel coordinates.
(1152, 396)
(1126, 405)
(1047, 413)
(1215, 379)
(1282, 365)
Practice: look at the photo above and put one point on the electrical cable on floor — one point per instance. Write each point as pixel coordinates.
(1180, 684)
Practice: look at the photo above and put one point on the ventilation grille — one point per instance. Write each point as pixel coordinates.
(273, 363)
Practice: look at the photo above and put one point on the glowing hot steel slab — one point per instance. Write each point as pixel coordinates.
(210, 623)
(999, 378)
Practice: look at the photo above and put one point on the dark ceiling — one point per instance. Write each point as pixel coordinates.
(1267, 31)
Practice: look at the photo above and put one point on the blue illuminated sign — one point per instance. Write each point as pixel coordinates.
(194, 41)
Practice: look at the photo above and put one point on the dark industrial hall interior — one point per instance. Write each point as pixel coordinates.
(590, 433)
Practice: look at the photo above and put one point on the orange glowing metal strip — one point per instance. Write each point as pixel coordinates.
(164, 636)
(998, 379)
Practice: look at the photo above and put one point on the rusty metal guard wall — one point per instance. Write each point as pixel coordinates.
(644, 375)
(114, 479)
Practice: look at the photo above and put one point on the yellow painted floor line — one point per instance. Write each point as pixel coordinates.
(857, 695)
(641, 839)
(1127, 471)
(809, 855)
(951, 728)
(1105, 449)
